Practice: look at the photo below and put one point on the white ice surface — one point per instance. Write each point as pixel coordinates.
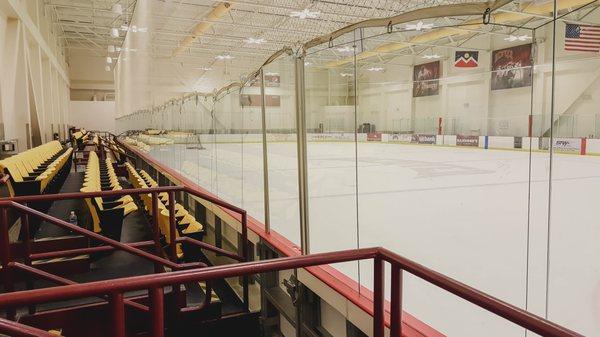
(461, 211)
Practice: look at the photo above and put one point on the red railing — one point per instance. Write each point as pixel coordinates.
(114, 290)
(19, 204)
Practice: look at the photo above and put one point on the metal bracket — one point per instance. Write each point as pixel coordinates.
(291, 286)
(487, 16)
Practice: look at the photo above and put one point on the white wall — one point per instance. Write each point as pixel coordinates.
(99, 115)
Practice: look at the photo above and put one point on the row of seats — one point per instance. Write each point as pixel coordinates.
(185, 222)
(80, 138)
(108, 212)
(39, 170)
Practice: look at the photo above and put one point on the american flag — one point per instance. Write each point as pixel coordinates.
(582, 38)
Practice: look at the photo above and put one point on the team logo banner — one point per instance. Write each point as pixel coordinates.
(511, 67)
(423, 139)
(426, 79)
(374, 136)
(568, 145)
(466, 59)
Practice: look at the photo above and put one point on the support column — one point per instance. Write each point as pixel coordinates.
(263, 111)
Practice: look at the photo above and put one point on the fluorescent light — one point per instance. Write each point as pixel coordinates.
(304, 14)
(345, 49)
(252, 40)
(271, 74)
(124, 27)
(224, 57)
(111, 49)
(108, 59)
(306, 63)
(118, 49)
(114, 32)
(107, 68)
(204, 68)
(375, 69)
(419, 26)
(513, 38)
(431, 56)
(346, 74)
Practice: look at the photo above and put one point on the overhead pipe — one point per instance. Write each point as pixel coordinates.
(218, 12)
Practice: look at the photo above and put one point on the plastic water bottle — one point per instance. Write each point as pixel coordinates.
(73, 218)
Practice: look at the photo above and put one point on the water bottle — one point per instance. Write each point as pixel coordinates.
(73, 218)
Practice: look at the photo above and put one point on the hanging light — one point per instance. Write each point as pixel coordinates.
(513, 38)
(345, 49)
(346, 74)
(419, 26)
(111, 49)
(107, 68)
(224, 57)
(304, 14)
(108, 59)
(252, 40)
(431, 56)
(114, 32)
(377, 69)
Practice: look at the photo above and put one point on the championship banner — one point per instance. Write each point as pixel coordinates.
(511, 67)
(467, 140)
(466, 59)
(426, 79)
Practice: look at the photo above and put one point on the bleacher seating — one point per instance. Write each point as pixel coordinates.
(79, 139)
(40, 170)
(108, 212)
(186, 223)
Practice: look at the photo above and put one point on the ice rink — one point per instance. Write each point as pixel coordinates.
(480, 216)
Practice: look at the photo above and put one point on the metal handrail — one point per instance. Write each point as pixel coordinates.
(398, 263)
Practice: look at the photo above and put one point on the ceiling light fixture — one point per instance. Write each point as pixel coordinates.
(514, 38)
(224, 57)
(375, 69)
(346, 74)
(431, 56)
(271, 74)
(345, 49)
(114, 32)
(111, 49)
(306, 63)
(304, 14)
(204, 68)
(107, 68)
(419, 26)
(252, 40)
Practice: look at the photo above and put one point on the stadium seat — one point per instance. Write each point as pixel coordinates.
(185, 223)
(39, 170)
(107, 213)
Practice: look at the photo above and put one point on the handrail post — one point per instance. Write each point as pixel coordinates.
(396, 302)
(157, 311)
(378, 297)
(175, 289)
(6, 259)
(172, 235)
(156, 231)
(27, 251)
(117, 310)
(245, 255)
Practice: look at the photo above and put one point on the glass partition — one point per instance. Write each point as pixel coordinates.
(331, 151)
(280, 110)
(466, 147)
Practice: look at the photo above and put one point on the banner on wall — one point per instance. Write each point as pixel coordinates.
(568, 145)
(511, 67)
(271, 80)
(466, 59)
(374, 136)
(423, 139)
(426, 79)
(467, 140)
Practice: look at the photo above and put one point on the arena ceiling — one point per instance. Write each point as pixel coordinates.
(236, 40)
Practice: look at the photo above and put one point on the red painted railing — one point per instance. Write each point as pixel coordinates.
(114, 290)
(9, 265)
